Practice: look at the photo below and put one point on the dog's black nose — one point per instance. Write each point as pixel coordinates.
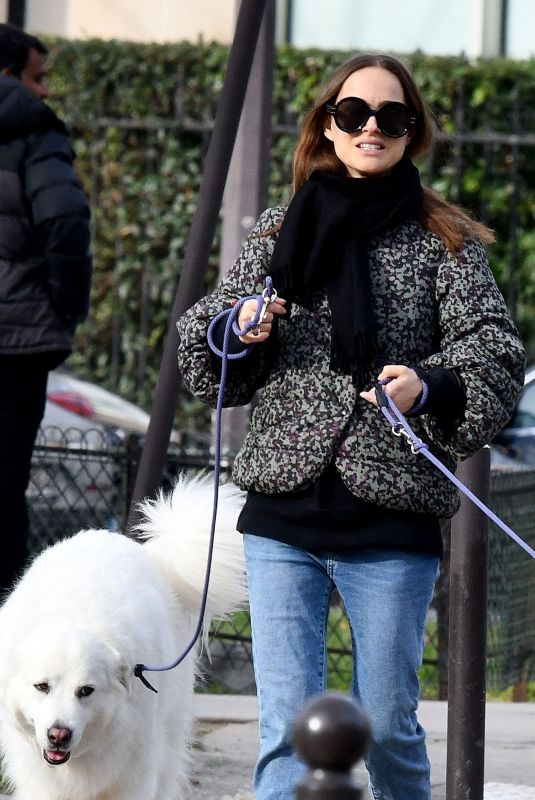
(59, 737)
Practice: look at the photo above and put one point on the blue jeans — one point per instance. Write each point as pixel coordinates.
(386, 595)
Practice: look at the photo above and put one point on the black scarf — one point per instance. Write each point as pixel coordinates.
(323, 244)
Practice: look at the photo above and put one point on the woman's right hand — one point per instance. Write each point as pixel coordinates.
(260, 333)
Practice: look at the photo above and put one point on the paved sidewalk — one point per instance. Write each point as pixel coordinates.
(227, 732)
(227, 736)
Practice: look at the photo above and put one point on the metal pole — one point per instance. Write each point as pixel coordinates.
(468, 636)
(247, 187)
(198, 246)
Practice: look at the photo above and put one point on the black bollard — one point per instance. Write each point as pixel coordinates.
(331, 734)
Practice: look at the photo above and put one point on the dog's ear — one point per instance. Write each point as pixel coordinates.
(125, 674)
(119, 669)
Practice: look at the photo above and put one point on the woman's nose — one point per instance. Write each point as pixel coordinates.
(371, 125)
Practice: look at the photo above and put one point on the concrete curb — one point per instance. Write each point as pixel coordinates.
(230, 749)
(226, 708)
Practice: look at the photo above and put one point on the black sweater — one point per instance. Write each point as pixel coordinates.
(327, 516)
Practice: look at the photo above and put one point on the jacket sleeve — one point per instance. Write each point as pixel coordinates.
(200, 370)
(481, 343)
(61, 216)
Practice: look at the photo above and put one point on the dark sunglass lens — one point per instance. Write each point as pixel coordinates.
(351, 114)
(394, 119)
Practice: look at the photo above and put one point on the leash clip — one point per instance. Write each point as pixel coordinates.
(269, 295)
(138, 672)
(416, 443)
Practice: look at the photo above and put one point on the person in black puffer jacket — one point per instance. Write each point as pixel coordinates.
(45, 271)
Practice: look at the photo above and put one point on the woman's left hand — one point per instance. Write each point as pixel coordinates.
(404, 388)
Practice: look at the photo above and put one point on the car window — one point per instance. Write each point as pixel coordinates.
(524, 416)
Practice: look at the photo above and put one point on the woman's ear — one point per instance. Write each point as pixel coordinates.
(410, 136)
(328, 132)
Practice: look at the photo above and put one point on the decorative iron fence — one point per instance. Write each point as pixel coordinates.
(85, 480)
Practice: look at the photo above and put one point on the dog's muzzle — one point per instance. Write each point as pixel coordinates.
(56, 757)
(59, 738)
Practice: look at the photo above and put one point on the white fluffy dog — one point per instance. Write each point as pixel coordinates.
(75, 724)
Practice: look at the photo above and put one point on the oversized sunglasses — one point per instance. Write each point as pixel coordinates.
(352, 113)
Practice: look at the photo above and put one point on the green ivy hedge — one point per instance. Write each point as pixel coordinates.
(141, 116)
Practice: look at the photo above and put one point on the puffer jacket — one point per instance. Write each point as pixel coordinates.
(432, 310)
(45, 265)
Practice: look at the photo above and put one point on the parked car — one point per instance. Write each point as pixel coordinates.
(91, 404)
(78, 474)
(515, 444)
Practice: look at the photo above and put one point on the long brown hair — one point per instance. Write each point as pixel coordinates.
(314, 151)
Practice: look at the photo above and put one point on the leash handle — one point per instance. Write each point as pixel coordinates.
(268, 295)
(400, 427)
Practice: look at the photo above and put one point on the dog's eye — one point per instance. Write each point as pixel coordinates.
(85, 691)
(42, 687)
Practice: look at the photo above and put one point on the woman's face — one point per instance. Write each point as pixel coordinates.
(368, 152)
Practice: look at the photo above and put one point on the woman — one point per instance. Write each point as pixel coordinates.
(380, 279)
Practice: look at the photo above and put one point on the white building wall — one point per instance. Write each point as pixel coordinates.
(135, 20)
(472, 27)
(521, 28)
(433, 26)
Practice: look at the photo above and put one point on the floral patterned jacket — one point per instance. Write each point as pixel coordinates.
(432, 310)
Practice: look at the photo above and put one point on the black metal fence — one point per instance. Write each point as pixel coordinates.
(85, 479)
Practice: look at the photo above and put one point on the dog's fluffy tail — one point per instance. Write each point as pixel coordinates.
(177, 527)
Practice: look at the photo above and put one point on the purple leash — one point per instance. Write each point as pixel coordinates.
(268, 295)
(400, 427)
